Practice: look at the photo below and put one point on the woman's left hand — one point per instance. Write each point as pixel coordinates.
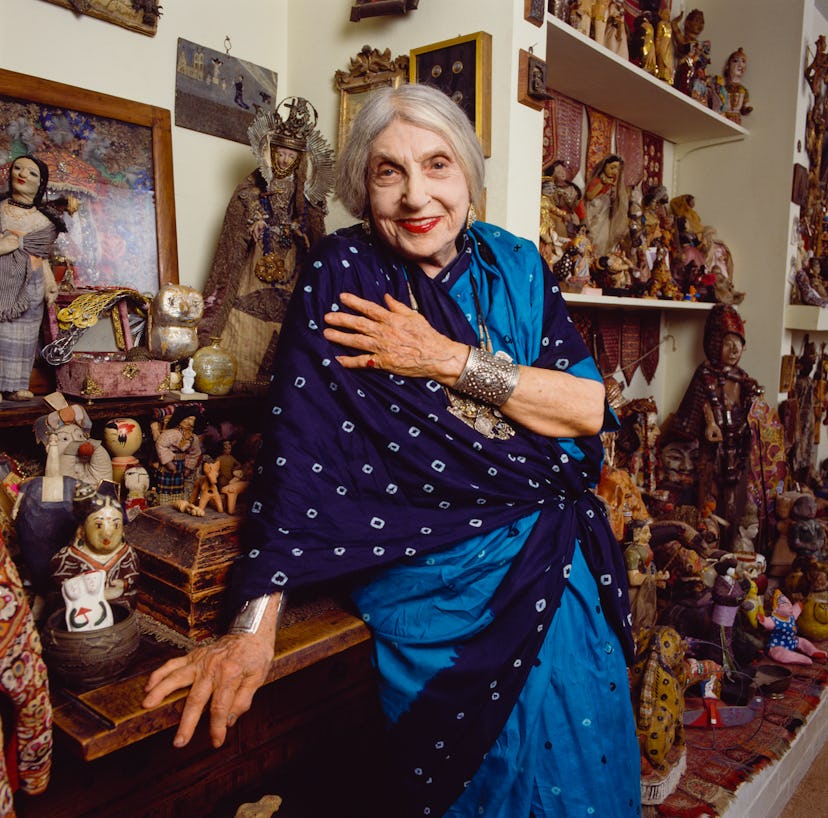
(395, 338)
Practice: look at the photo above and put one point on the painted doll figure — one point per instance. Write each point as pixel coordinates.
(785, 645)
(179, 452)
(99, 544)
(28, 229)
(605, 205)
(728, 95)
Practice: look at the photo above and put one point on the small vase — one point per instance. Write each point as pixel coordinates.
(215, 369)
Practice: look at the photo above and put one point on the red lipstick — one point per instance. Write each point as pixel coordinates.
(419, 226)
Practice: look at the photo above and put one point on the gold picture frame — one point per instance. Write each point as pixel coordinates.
(369, 71)
(462, 68)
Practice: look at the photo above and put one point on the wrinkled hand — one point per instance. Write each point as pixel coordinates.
(395, 338)
(228, 671)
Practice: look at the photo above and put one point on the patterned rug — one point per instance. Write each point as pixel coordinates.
(720, 759)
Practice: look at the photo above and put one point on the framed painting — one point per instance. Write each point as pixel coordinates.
(462, 68)
(534, 11)
(369, 71)
(378, 8)
(136, 16)
(114, 156)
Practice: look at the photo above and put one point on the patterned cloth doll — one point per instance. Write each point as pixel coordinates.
(24, 682)
(785, 645)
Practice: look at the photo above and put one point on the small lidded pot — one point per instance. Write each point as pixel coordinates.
(215, 369)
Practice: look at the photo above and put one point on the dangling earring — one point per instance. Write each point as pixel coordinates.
(366, 227)
(471, 217)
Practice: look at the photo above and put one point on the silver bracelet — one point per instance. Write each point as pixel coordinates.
(251, 613)
(487, 378)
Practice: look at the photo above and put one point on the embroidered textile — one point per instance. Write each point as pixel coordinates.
(629, 145)
(599, 143)
(566, 125)
(653, 159)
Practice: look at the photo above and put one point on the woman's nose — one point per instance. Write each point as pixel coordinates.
(415, 193)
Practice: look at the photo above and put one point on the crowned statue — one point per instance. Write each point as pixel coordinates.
(273, 217)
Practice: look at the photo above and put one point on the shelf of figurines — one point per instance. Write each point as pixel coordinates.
(806, 318)
(585, 70)
(602, 301)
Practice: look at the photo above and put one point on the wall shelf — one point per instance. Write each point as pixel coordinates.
(580, 68)
(610, 302)
(807, 318)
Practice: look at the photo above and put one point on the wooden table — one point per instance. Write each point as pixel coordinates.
(113, 758)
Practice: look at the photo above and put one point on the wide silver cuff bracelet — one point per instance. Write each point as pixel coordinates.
(487, 378)
(251, 613)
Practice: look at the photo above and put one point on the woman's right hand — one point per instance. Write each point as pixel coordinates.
(228, 671)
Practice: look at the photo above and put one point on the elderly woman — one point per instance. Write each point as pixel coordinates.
(28, 230)
(437, 435)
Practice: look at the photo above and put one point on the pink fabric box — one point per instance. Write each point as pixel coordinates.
(94, 375)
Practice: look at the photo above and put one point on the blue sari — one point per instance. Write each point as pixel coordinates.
(367, 473)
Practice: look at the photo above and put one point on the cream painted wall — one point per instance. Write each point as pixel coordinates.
(103, 57)
(48, 41)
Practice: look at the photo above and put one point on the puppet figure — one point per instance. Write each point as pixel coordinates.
(606, 204)
(714, 411)
(179, 453)
(728, 96)
(28, 229)
(273, 217)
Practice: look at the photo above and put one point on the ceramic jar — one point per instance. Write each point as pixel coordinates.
(215, 369)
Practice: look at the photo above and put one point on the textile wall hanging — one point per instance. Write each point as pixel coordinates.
(599, 142)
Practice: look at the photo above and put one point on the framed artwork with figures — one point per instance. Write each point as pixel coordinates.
(462, 68)
(114, 156)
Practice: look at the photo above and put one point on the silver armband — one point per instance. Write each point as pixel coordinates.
(488, 378)
(250, 615)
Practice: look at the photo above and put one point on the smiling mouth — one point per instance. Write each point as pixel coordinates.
(419, 225)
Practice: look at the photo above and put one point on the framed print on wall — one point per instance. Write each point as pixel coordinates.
(115, 157)
(369, 71)
(462, 68)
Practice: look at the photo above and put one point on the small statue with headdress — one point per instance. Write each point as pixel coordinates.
(273, 217)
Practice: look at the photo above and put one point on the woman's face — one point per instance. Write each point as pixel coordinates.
(418, 194)
(25, 179)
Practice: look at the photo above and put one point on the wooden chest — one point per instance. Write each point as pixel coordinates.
(109, 375)
(185, 566)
